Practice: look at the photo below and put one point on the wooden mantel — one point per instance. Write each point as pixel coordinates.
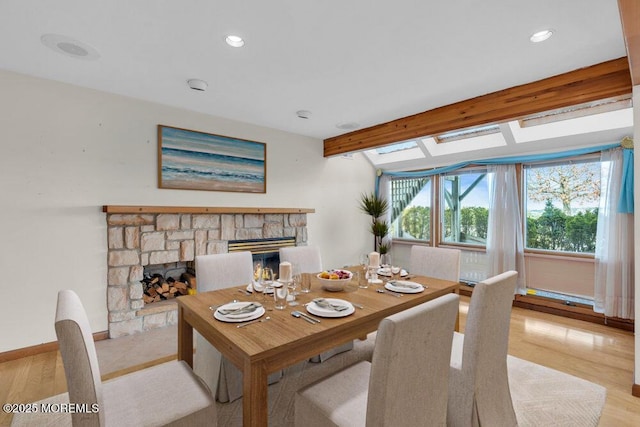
(120, 209)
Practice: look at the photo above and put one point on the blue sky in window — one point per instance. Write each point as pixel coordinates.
(478, 197)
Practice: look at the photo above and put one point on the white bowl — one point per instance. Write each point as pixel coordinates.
(335, 285)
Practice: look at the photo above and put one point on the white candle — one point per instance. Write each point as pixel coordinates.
(374, 259)
(285, 271)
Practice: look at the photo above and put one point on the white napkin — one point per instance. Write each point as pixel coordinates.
(255, 286)
(405, 284)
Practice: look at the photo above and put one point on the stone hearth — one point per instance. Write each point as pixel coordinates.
(142, 236)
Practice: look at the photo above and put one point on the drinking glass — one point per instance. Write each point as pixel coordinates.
(291, 289)
(305, 284)
(363, 278)
(364, 263)
(295, 283)
(372, 275)
(257, 272)
(257, 277)
(266, 280)
(395, 272)
(385, 260)
(280, 293)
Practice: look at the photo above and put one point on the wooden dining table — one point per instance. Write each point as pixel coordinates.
(265, 347)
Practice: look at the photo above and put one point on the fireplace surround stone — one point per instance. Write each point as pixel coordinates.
(140, 236)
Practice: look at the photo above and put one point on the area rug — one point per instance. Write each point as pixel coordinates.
(541, 396)
(545, 397)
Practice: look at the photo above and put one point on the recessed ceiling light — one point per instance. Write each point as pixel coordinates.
(303, 114)
(70, 47)
(541, 36)
(234, 41)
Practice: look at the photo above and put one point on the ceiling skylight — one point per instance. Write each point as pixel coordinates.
(594, 123)
(575, 111)
(457, 135)
(396, 147)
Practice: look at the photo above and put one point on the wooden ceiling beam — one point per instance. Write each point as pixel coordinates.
(606, 80)
(630, 17)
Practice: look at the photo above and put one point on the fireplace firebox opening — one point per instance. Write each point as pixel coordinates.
(265, 252)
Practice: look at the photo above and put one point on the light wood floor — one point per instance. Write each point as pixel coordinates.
(594, 352)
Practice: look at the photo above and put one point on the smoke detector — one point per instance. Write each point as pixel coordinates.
(197, 84)
(303, 114)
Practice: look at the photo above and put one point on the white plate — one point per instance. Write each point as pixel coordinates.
(243, 317)
(387, 272)
(403, 289)
(313, 308)
(236, 305)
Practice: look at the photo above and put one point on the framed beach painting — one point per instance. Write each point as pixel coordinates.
(191, 160)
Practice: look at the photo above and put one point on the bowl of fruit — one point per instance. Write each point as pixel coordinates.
(334, 280)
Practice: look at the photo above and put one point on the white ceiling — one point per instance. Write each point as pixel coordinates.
(345, 61)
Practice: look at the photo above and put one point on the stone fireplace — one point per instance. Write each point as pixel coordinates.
(143, 236)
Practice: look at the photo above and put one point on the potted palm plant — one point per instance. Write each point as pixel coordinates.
(376, 207)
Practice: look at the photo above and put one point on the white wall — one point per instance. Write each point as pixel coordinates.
(67, 151)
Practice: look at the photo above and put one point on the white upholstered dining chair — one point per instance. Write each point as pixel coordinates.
(307, 259)
(406, 382)
(303, 259)
(219, 271)
(440, 263)
(124, 400)
(478, 380)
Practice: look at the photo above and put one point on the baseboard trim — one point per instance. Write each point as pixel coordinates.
(555, 307)
(635, 390)
(42, 348)
(574, 311)
(139, 367)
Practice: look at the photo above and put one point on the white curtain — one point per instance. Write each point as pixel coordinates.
(384, 191)
(505, 240)
(614, 283)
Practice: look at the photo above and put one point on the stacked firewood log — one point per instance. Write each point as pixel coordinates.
(156, 287)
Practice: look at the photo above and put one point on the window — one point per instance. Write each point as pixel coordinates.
(465, 207)
(458, 135)
(411, 208)
(396, 147)
(561, 205)
(574, 111)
